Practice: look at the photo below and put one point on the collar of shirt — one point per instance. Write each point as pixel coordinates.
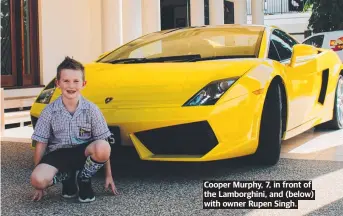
(82, 105)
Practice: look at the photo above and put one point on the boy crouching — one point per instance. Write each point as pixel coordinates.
(72, 132)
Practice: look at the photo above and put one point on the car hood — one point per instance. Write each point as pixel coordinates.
(155, 84)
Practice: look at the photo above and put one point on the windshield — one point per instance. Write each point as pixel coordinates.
(204, 42)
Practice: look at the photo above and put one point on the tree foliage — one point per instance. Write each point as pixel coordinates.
(327, 15)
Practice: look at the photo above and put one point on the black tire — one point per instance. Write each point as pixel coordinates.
(337, 121)
(269, 146)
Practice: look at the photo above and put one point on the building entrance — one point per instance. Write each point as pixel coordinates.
(175, 14)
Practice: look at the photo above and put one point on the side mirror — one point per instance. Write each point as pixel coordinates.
(102, 55)
(302, 53)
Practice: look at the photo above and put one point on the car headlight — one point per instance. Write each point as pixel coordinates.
(47, 93)
(211, 93)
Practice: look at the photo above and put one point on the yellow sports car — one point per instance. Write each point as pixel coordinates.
(212, 92)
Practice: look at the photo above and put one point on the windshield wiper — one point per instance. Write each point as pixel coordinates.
(128, 60)
(175, 58)
(222, 57)
(180, 58)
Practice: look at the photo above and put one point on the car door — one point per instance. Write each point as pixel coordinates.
(302, 78)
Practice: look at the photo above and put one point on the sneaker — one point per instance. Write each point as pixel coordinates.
(69, 187)
(86, 193)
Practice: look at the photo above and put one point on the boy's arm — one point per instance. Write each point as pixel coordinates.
(39, 152)
(41, 134)
(100, 130)
(108, 171)
(109, 182)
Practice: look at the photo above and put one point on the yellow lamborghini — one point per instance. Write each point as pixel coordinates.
(212, 92)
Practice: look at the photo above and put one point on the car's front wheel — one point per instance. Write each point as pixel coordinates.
(269, 146)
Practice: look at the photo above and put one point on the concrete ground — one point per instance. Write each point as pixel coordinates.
(148, 188)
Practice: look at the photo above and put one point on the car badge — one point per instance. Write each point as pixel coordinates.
(109, 99)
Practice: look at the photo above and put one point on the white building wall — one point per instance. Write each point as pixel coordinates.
(216, 12)
(151, 19)
(240, 12)
(111, 24)
(132, 20)
(271, 6)
(291, 23)
(197, 13)
(68, 28)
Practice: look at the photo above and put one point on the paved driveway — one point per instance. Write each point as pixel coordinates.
(164, 188)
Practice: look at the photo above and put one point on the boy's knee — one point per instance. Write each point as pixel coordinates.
(102, 149)
(39, 181)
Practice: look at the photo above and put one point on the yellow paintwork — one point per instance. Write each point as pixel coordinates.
(151, 95)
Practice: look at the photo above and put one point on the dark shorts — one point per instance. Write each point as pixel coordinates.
(66, 159)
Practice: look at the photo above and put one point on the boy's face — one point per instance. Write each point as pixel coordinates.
(71, 83)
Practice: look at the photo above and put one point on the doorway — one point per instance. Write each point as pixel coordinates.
(175, 14)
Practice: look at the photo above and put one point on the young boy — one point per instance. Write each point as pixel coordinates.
(72, 132)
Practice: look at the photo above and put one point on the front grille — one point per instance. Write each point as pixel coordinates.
(195, 138)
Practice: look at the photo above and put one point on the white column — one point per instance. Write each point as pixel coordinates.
(197, 12)
(257, 12)
(132, 20)
(112, 34)
(240, 7)
(216, 8)
(151, 16)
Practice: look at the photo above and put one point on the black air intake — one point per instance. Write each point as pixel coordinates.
(195, 138)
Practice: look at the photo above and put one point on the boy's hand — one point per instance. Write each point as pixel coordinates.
(109, 182)
(38, 194)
